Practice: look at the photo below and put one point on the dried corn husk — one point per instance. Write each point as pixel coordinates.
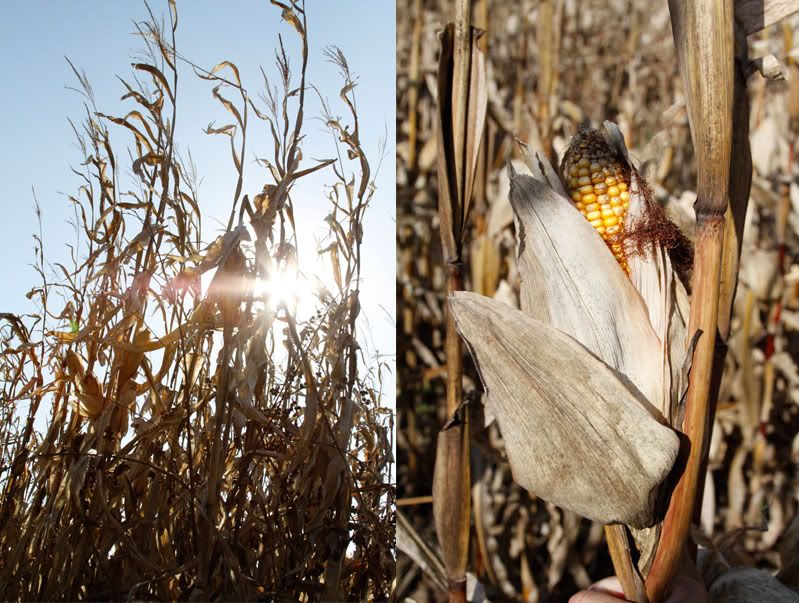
(576, 434)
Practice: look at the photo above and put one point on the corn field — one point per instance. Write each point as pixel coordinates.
(553, 68)
(172, 430)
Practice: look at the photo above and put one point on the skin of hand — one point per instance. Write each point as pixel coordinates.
(684, 590)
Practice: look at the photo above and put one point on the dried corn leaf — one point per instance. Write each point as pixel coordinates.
(452, 509)
(413, 545)
(456, 173)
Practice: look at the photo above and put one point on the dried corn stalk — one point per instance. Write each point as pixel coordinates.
(460, 120)
(201, 443)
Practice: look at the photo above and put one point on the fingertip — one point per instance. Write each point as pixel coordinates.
(596, 596)
(610, 585)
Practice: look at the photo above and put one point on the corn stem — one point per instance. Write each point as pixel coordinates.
(703, 38)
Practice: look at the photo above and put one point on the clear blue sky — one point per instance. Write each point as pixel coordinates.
(38, 144)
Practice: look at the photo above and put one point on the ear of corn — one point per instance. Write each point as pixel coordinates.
(598, 186)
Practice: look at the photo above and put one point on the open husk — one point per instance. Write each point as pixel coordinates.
(583, 380)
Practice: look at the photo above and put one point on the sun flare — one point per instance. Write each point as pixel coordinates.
(284, 287)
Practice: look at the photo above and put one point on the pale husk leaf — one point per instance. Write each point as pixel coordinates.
(576, 435)
(571, 280)
(664, 295)
(666, 300)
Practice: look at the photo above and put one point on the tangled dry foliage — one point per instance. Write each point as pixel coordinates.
(199, 444)
(552, 66)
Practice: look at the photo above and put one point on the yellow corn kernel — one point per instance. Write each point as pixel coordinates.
(599, 187)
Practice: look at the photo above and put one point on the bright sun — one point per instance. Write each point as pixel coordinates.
(285, 286)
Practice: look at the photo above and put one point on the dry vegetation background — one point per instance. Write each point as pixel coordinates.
(199, 442)
(553, 65)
